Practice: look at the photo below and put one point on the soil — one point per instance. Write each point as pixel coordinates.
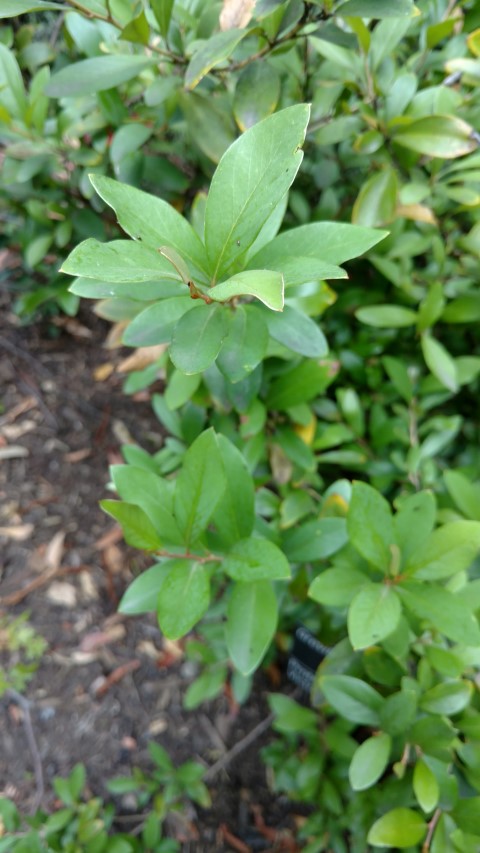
(106, 684)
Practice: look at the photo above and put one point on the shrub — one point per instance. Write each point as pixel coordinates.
(249, 511)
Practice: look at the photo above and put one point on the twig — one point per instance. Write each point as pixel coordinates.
(431, 829)
(239, 747)
(17, 597)
(32, 743)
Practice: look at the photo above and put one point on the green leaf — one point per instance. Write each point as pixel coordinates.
(386, 316)
(251, 622)
(96, 74)
(353, 699)
(246, 343)
(377, 200)
(330, 242)
(199, 486)
(256, 94)
(162, 9)
(448, 698)
(210, 127)
(466, 814)
(298, 332)
(414, 522)
(137, 30)
(442, 609)
(425, 786)
(12, 90)
(138, 530)
(180, 389)
(152, 494)
(336, 587)
(290, 717)
(184, 597)
(449, 550)
(465, 494)
(398, 828)
(256, 559)
(374, 9)
(370, 525)
(212, 52)
(264, 160)
(315, 540)
(120, 260)
(369, 762)
(142, 594)
(150, 219)
(235, 515)
(440, 362)
(398, 712)
(437, 136)
(265, 285)
(207, 686)
(198, 338)
(299, 385)
(12, 8)
(156, 324)
(373, 614)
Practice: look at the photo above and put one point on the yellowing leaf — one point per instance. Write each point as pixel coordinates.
(236, 13)
(417, 212)
(307, 433)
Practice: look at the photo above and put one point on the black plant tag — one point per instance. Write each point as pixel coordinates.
(307, 654)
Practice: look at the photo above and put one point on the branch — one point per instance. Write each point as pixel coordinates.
(239, 747)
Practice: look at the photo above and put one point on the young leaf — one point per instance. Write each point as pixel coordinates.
(398, 828)
(207, 686)
(450, 549)
(355, 700)
(442, 609)
(246, 343)
(120, 260)
(156, 324)
(152, 494)
(234, 516)
(199, 486)
(150, 219)
(256, 559)
(369, 762)
(370, 525)
(184, 597)
(251, 622)
(138, 530)
(373, 614)
(265, 285)
(330, 242)
(142, 594)
(198, 338)
(263, 163)
(96, 74)
(298, 332)
(425, 786)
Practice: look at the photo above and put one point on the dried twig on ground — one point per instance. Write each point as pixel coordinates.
(239, 747)
(32, 743)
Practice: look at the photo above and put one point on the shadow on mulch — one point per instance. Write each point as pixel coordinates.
(59, 431)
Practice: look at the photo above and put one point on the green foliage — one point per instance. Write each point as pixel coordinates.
(89, 824)
(321, 463)
(21, 650)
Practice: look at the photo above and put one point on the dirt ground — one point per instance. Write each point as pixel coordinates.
(107, 684)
